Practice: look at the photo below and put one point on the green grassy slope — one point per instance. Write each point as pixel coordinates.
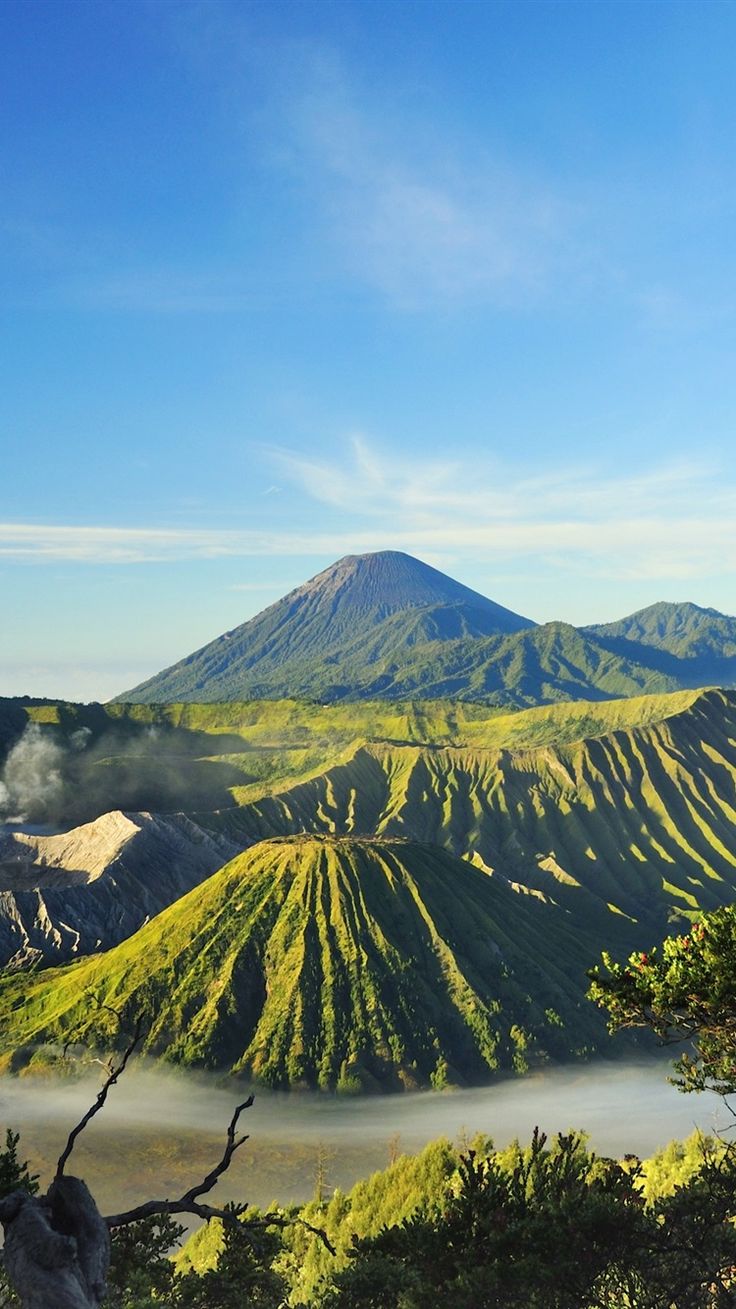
(194, 757)
(329, 963)
(635, 824)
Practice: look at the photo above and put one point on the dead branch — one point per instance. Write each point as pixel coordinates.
(57, 1246)
(189, 1203)
(115, 1071)
(232, 1144)
(230, 1216)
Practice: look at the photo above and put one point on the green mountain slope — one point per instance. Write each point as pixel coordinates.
(687, 645)
(539, 665)
(685, 630)
(196, 757)
(627, 830)
(329, 962)
(387, 626)
(362, 609)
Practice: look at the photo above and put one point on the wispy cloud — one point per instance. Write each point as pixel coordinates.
(88, 544)
(673, 522)
(676, 520)
(420, 218)
(373, 482)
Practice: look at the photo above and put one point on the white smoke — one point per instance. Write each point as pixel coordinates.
(31, 777)
(79, 739)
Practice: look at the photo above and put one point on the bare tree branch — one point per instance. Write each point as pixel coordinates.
(232, 1144)
(189, 1203)
(115, 1071)
(230, 1216)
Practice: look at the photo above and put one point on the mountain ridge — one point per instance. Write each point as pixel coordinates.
(385, 625)
(89, 888)
(631, 830)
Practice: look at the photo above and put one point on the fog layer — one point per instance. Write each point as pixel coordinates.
(160, 1131)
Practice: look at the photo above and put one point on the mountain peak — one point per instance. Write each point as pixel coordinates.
(683, 629)
(334, 633)
(670, 609)
(387, 581)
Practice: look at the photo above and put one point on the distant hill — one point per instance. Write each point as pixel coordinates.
(342, 624)
(332, 963)
(685, 630)
(389, 627)
(538, 665)
(686, 644)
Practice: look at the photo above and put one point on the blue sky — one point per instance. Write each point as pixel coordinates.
(287, 281)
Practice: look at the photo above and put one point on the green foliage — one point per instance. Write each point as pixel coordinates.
(141, 1271)
(546, 1226)
(684, 990)
(382, 1200)
(677, 1164)
(15, 1174)
(328, 962)
(239, 1271)
(244, 1274)
(551, 1228)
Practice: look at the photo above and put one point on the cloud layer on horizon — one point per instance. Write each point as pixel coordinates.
(677, 521)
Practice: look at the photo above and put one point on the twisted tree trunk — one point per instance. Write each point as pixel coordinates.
(57, 1247)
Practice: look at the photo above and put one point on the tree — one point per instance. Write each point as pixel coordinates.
(57, 1245)
(552, 1227)
(243, 1276)
(141, 1273)
(684, 990)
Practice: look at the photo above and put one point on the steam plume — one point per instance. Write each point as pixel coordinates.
(31, 777)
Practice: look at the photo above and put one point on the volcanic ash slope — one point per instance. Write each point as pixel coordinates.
(91, 887)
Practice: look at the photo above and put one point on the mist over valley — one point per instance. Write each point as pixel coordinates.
(160, 1130)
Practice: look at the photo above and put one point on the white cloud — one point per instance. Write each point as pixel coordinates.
(371, 482)
(419, 218)
(45, 543)
(673, 522)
